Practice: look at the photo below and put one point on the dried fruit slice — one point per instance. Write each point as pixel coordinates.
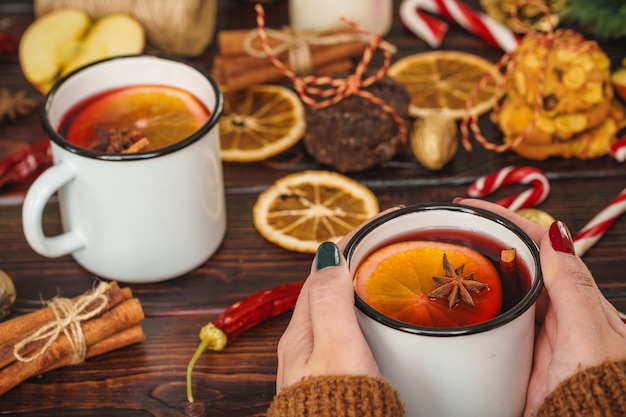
(163, 114)
(260, 122)
(442, 81)
(397, 280)
(302, 210)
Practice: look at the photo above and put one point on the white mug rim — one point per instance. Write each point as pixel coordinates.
(517, 310)
(59, 140)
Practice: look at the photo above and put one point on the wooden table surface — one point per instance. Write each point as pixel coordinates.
(148, 379)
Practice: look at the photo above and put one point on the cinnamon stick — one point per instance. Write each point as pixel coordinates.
(345, 65)
(320, 55)
(125, 315)
(272, 74)
(508, 269)
(126, 337)
(231, 42)
(16, 329)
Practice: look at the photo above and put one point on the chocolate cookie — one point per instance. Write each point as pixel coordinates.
(356, 134)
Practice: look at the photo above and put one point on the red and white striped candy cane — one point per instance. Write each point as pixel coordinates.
(540, 186)
(597, 227)
(432, 30)
(618, 150)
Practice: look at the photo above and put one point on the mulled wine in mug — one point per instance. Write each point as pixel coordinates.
(445, 296)
(136, 167)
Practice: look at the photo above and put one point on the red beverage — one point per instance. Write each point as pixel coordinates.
(513, 286)
(157, 115)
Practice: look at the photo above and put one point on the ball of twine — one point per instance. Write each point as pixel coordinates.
(182, 27)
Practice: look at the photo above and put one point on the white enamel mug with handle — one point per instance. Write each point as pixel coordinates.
(476, 370)
(136, 218)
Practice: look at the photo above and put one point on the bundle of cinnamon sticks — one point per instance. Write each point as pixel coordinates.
(329, 52)
(116, 324)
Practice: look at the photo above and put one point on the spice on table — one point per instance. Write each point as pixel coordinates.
(15, 105)
(19, 167)
(242, 316)
(68, 331)
(7, 294)
(455, 285)
(242, 63)
(434, 141)
(8, 42)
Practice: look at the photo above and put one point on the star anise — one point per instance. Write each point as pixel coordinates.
(15, 105)
(455, 285)
(119, 141)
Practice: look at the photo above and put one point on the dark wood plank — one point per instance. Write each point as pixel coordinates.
(148, 378)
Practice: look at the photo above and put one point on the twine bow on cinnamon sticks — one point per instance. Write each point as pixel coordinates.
(242, 62)
(336, 89)
(68, 331)
(297, 44)
(68, 317)
(508, 62)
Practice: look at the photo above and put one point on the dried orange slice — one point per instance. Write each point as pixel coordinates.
(302, 210)
(397, 280)
(260, 122)
(163, 114)
(442, 81)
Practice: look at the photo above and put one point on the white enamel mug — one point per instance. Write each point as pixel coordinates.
(135, 218)
(478, 370)
(374, 15)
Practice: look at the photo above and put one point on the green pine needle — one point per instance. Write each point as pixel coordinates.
(604, 19)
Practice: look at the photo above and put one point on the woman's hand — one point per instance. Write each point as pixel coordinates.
(323, 336)
(579, 327)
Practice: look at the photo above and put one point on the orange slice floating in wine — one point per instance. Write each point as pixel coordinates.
(163, 114)
(397, 280)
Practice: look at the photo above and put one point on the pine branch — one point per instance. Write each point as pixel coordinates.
(604, 19)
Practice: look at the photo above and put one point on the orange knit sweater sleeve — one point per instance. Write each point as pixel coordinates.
(595, 391)
(338, 396)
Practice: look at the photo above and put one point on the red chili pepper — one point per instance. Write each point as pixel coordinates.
(242, 316)
(19, 166)
(8, 42)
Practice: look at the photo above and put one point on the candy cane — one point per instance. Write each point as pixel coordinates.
(597, 227)
(488, 184)
(432, 30)
(618, 150)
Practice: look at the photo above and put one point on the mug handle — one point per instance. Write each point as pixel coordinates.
(37, 196)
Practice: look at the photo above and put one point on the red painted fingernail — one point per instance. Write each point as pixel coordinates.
(560, 238)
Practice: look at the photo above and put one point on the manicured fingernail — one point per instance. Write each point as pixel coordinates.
(560, 238)
(327, 256)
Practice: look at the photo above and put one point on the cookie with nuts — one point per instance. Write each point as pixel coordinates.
(589, 144)
(516, 115)
(568, 75)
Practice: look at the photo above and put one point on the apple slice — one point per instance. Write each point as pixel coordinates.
(66, 39)
(48, 42)
(112, 35)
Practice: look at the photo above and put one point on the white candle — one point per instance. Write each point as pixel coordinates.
(374, 15)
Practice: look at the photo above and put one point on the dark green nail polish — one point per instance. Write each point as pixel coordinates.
(327, 256)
